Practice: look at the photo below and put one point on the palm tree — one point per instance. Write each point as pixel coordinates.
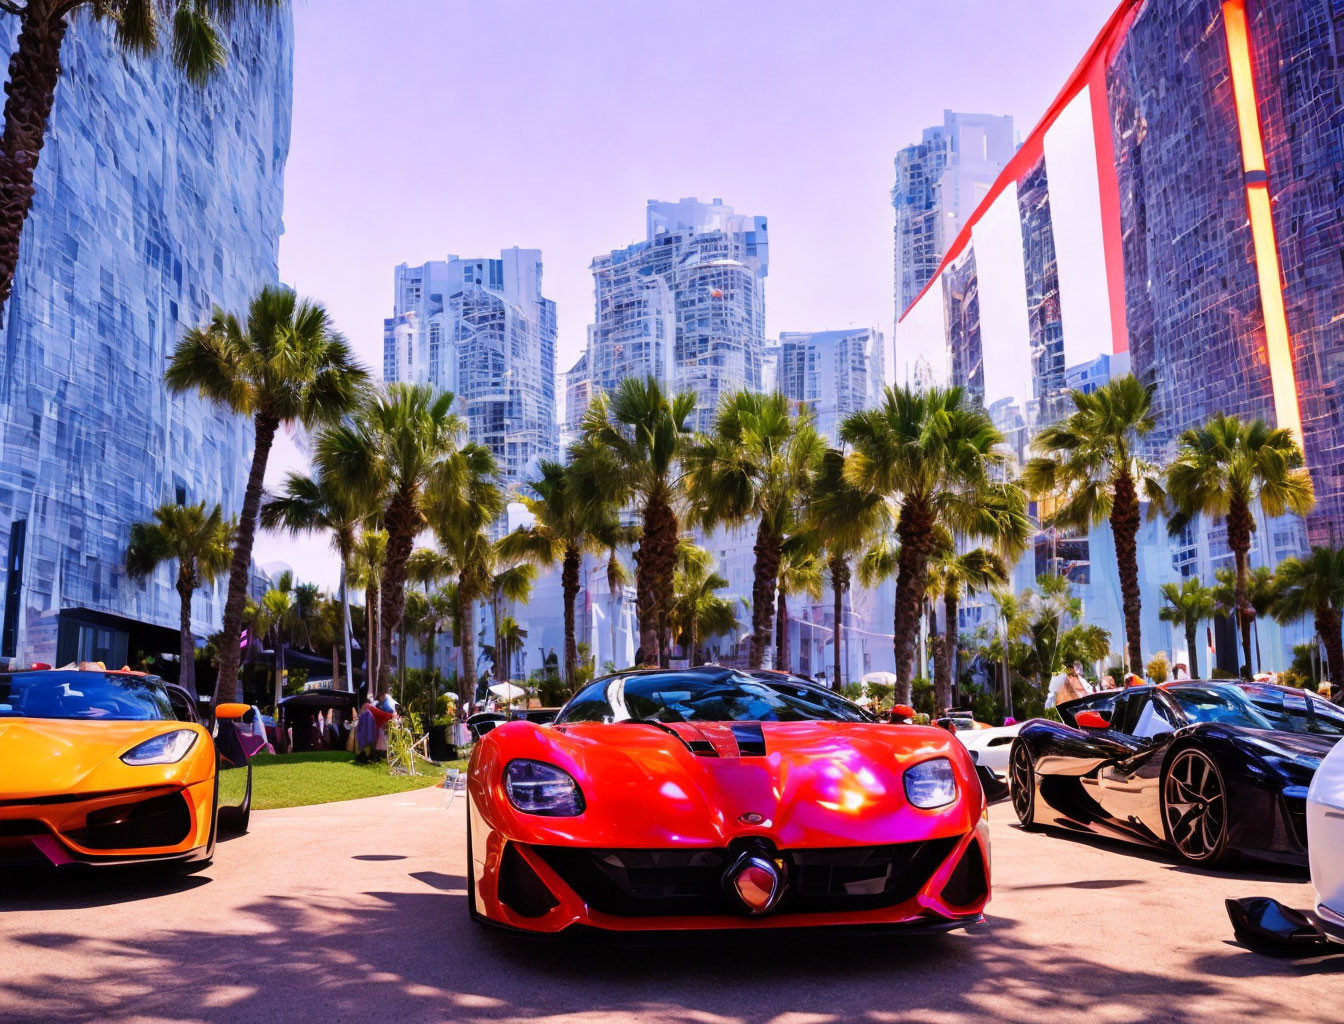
(799, 573)
(937, 456)
(462, 503)
(755, 466)
(274, 619)
(390, 456)
(1259, 593)
(1315, 586)
(198, 541)
(568, 524)
(956, 575)
(1222, 469)
(511, 582)
(631, 440)
(844, 519)
(509, 638)
(366, 567)
(286, 364)
(308, 504)
(198, 49)
(1088, 472)
(1188, 604)
(697, 609)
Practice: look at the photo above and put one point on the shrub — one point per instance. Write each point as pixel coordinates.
(921, 696)
(1157, 669)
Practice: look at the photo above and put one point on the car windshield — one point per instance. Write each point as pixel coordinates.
(1295, 710)
(84, 695)
(705, 697)
(1224, 704)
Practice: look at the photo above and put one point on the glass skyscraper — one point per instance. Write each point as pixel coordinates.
(685, 306)
(155, 199)
(833, 373)
(939, 181)
(1177, 212)
(481, 329)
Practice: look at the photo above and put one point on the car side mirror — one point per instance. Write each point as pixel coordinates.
(1091, 720)
(232, 712)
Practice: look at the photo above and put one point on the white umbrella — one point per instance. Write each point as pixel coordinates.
(508, 692)
(881, 678)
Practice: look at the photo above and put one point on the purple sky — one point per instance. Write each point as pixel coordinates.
(424, 127)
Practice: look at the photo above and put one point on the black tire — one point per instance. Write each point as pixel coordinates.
(235, 820)
(1194, 807)
(472, 912)
(1022, 784)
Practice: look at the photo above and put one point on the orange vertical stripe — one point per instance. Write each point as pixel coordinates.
(1278, 341)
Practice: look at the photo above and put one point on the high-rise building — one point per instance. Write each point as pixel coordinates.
(685, 306)
(833, 373)
(939, 181)
(481, 329)
(155, 199)
(1177, 212)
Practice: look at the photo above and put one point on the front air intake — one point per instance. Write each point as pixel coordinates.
(519, 887)
(968, 884)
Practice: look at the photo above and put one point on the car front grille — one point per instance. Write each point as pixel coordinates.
(646, 883)
(159, 821)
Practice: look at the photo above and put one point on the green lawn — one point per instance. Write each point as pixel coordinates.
(295, 780)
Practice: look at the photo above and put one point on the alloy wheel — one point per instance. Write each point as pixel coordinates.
(1194, 806)
(1022, 775)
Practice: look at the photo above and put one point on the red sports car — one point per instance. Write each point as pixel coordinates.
(707, 798)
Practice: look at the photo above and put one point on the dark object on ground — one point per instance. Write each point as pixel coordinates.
(1266, 925)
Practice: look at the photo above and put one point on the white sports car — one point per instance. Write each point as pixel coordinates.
(1325, 840)
(990, 746)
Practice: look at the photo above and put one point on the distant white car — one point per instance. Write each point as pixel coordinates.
(990, 746)
(1325, 841)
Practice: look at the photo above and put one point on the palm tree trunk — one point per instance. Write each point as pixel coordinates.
(498, 666)
(692, 638)
(34, 70)
(655, 561)
(782, 630)
(186, 648)
(1125, 531)
(1191, 632)
(1240, 524)
(345, 624)
(942, 666)
(466, 679)
(230, 655)
(951, 599)
(1328, 629)
(370, 633)
(915, 531)
(569, 584)
(402, 520)
(839, 584)
(764, 574)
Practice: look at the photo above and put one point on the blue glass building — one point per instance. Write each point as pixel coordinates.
(155, 200)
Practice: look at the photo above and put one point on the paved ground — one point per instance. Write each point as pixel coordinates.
(356, 912)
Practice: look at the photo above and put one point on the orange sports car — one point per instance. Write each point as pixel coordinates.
(100, 767)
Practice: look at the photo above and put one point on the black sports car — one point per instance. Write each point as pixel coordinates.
(1209, 769)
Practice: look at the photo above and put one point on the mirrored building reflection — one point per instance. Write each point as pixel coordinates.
(155, 200)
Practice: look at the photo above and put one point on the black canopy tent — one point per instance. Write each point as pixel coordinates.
(296, 720)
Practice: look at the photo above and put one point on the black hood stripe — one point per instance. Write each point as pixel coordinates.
(750, 739)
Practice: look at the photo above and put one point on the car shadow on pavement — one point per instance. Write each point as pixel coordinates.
(75, 888)
(1243, 870)
(414, 956)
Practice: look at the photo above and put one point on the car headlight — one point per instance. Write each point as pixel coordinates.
(931, 783)
(539, 788)
(165, 748)
(1294, 765)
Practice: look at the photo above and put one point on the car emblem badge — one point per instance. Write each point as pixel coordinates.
(751, 818)
(756, 882)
